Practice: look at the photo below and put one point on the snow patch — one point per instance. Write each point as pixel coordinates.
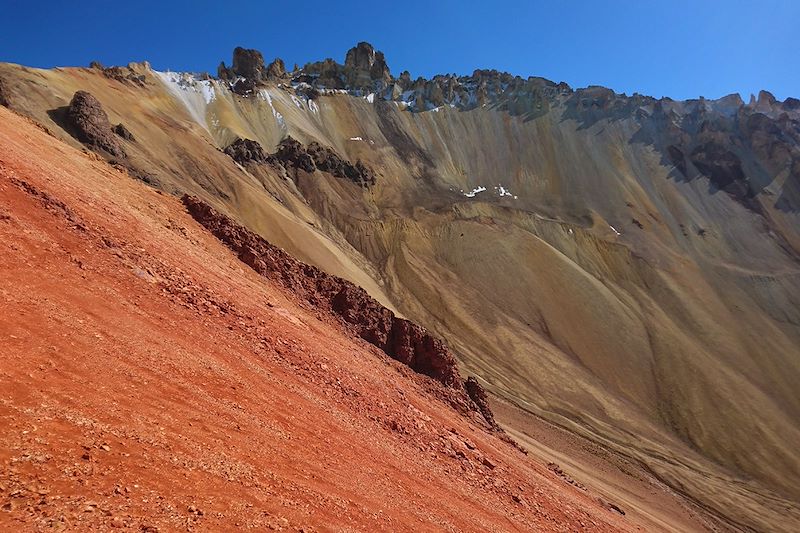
(614, 230)
(356, 139)
(502, 191)
(264, 94)
(473, 192)
(195, 94)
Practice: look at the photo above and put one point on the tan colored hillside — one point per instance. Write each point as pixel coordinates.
(590, 284)
(150, 381)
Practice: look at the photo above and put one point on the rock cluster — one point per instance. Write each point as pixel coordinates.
(249, 70)
(122, 74)
(245, 151)
(736, 146)
(89, 123)
(292, 155)
(401, 339)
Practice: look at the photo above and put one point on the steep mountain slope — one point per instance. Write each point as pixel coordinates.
(151, 381)
(624, 267)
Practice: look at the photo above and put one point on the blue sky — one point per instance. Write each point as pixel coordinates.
(681, 49)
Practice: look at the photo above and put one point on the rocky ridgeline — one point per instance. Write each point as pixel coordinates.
(292, 156)
(399, 338)
(740, 147)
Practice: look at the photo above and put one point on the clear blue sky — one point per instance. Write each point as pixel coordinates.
(677, 48)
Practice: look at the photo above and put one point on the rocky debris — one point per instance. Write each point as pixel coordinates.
(244, 86)
(478, 395)
(611, 506)
(563, 475)
(123, 132)
(89, 123)
(125, 75)
(329, 161)
(293, 154)
(401, 339)
(245, 151)
(309, 92)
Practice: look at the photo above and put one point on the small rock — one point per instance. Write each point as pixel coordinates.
(117, 522)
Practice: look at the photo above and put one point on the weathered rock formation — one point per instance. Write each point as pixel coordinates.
(89, 123)
(123, 132)
(364, 66)
(245, 151)
(292, 155)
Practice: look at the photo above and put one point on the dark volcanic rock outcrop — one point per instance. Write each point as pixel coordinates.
(401, 339)
(245, 151)
(248, 69)
(89, 123)
(248, 63)
(293, 154)
(123, 132)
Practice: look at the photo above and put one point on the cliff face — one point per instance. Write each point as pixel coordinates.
(624, 266)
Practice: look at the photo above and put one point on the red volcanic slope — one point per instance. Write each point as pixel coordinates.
(150, 380)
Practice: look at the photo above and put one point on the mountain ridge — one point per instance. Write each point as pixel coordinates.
(630, 274)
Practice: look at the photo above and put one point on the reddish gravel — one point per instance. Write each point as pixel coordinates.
(151, 381)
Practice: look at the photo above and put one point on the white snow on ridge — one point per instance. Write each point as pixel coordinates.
(614, 230)
(195, 94)
(356, 139)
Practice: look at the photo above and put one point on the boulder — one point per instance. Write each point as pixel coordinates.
(123, 132)
(89, 123)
